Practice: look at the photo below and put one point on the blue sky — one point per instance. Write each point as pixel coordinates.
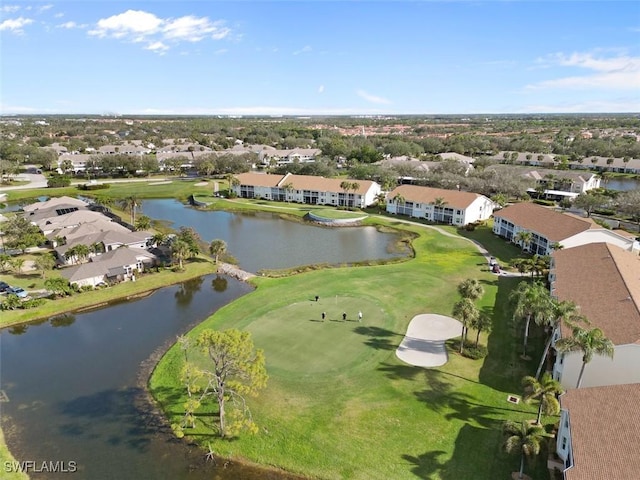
(319, 57)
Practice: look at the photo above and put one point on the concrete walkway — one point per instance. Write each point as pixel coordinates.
(423, 344)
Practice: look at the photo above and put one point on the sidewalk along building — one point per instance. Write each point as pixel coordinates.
(549, 228)
(338, 192)
(452, 207)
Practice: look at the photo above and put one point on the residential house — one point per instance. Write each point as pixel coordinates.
(284, 157)
(56, 202)
(115, 266)
(452, 207)
(549, 227)
(604, 281)
(598, 437)
(306, 189)
(102, 242)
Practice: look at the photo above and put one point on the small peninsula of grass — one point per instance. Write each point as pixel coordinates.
(339, 404)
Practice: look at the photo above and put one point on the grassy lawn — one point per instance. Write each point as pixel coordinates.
(78, 301)
(339, 404)
(151, 188)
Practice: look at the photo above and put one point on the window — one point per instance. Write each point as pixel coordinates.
(564, 443)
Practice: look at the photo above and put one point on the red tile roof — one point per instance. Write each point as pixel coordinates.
(605, 438)
(604, 280)
(554, 226)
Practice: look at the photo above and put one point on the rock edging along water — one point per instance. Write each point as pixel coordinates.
(334, 221)
(235, 272)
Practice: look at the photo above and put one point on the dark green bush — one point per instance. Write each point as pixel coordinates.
(473, 352)
(58, 181)
(93, 186)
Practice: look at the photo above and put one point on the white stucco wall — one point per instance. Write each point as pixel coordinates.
(601, 370)
(601, 235)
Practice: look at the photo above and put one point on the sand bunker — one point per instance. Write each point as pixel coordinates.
(423, 344)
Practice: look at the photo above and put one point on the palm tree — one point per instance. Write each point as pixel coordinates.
(470, 288)
(142, 223)
(523, 238)
(438, 206)
(346, 186)
(130, 204)
(233, 182)
(17, 264)
(380, 199)
(217, 248)
(288, 188)
(465, 311)
(532, 301)
(158, 238)
(355, 186)
(545, 391)
(523, 439)
(483, 323)
(180, 251)
(563, 310)
(588, 341)
(398, 200)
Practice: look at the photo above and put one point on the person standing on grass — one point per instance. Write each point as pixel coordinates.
(323, 316)
(360, 316)
(317, 298)
(344, 315)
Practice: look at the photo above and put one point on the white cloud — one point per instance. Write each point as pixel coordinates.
(9, 8)
(617, 72)
(139, 26)
(157, 47)
(220, 51)
(321, 89)
(44, 8)
(372, 98)
(131, 24)
(193, 29)
(305, 49)
(68, 25)
(58, 15)
(15, 25)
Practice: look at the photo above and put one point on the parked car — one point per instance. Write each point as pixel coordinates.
(4, 286)
(20, 292)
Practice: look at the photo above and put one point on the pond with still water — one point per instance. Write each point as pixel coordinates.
(72, 382)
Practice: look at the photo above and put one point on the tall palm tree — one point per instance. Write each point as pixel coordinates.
(465, 311)
(180, 251)
(545, 391)
(217, 248)
(563, 310)
(142, 223)
(483, 323)
(532, 302)
(158, 238)
(438, 209)
(523, 238)
(523, 439)
(470, 288)
(346, 186)
(588, 341)
(355, 186)
(288, 188)
(130, 204)
(398, 200)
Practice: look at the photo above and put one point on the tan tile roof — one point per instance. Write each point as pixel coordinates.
(259, 179)
(555, 226)
(54, 203)
(604, 280)
(301, 182)
(604, 432)
(417, 194)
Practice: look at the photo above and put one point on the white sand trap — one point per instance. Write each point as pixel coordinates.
(160, 183)
(201, 184)
(423, 344)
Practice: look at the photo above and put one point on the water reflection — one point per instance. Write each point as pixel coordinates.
(219, 283)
